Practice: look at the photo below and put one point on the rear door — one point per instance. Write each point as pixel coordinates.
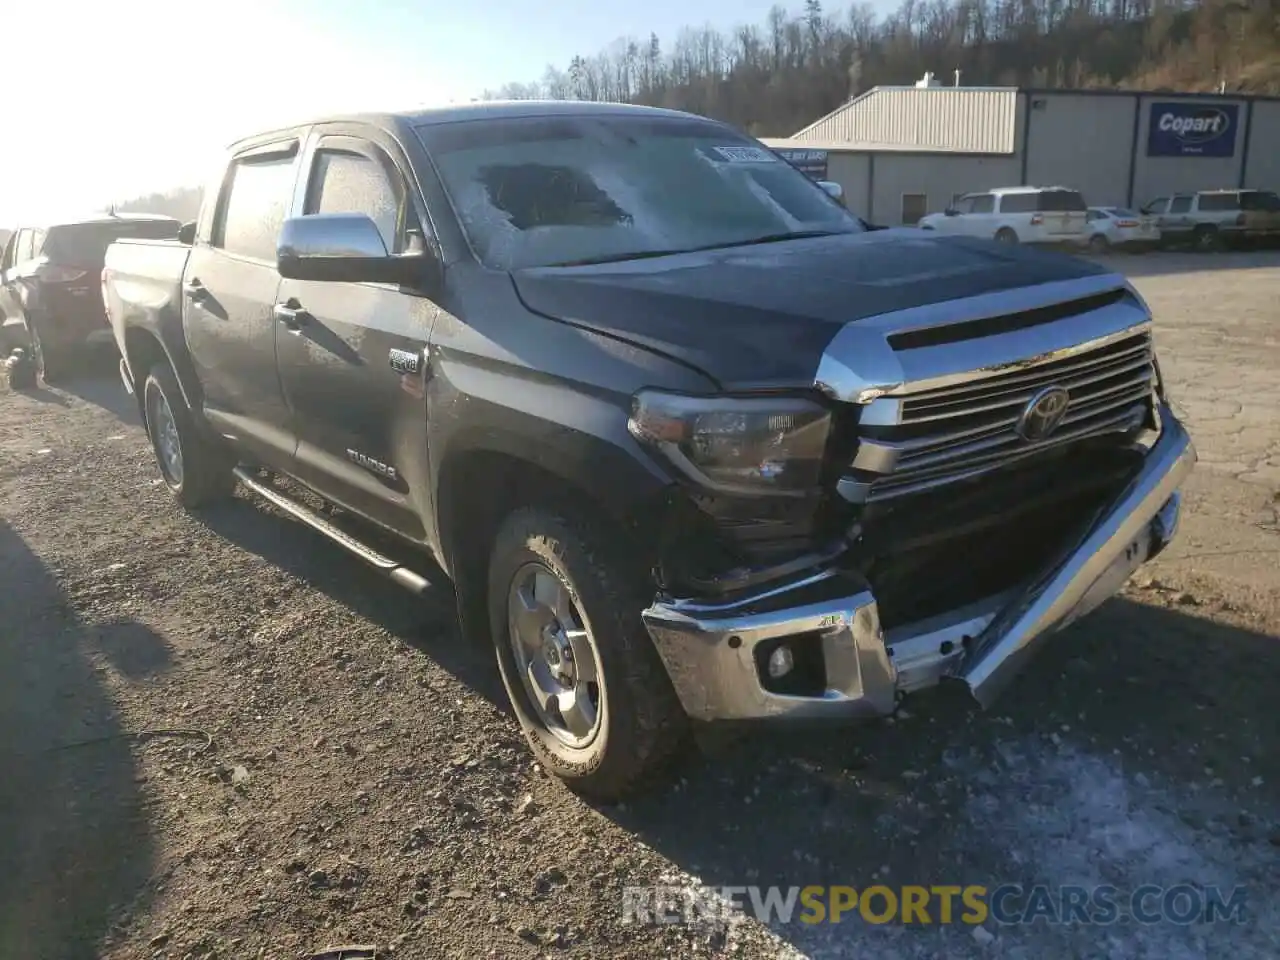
(229, 292)
(352, 361)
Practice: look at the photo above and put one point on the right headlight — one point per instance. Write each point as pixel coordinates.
(765, 445)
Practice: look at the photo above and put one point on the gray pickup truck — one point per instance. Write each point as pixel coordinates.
(692, 443)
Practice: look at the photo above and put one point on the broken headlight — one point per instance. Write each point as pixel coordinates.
(769, 445)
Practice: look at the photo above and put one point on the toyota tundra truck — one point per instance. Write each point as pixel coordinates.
(692, 444)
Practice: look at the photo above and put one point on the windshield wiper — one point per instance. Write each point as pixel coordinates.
(774, 238)
(620, 257)
(649, 254)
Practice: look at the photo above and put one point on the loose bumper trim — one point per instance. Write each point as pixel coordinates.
(709, 649)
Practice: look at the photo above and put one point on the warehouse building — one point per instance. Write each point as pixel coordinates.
(901, 152)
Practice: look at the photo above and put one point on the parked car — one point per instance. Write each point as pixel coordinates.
(1015, 215)
(1212, 219)
(1120, 227)
(51, 283)
(690, 442)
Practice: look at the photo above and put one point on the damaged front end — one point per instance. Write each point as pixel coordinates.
(968, 517)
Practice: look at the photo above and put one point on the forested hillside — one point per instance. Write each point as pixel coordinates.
(776, 77)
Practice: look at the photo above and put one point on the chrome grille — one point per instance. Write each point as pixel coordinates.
(951, 433)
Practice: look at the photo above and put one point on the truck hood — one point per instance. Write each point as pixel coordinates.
(764, 314)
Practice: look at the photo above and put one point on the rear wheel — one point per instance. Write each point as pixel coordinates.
(1099, 244)
(1006, 235)
(582, 674)
(192, 467)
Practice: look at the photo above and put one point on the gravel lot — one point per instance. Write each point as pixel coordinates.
(222, 737)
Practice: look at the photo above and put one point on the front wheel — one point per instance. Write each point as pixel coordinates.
(1207, 239)
(194, 470)
(584, 679)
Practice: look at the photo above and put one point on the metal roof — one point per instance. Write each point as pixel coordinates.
(923, 119)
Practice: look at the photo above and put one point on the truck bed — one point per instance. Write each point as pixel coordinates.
(142, 289)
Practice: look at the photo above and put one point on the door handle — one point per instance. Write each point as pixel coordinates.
(291, 314)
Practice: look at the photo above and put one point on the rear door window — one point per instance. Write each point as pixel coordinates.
(1218, 202)
(1019, 203)
(255, 199)
(23, 251)
(1059, 201)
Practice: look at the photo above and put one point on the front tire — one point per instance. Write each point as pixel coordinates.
(584, 679)
(195, 471)
(1207, 239)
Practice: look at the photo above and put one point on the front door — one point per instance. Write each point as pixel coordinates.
(229, 291)
(353, 355)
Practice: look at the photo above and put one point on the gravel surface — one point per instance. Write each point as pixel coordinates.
(222, 737)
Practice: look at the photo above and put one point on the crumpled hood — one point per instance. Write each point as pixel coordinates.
(764, 314)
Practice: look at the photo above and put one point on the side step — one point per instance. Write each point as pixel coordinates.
(396, 571)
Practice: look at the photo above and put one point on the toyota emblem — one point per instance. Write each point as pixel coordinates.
(1042, 414)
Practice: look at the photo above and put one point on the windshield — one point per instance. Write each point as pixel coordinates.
(85, 244)
(557, 190)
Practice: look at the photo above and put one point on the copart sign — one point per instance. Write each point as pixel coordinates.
(1192, 130)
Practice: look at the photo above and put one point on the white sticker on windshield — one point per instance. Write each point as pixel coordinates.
(745, 155)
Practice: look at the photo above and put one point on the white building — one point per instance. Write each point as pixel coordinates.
(901, 152)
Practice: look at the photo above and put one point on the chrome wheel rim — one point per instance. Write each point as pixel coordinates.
(164, 436)
(554, 656)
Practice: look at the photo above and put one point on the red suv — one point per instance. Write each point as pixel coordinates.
(50, 284)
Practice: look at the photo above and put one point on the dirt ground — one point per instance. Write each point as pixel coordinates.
(222, 737)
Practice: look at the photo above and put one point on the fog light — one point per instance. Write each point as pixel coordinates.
(780, 662)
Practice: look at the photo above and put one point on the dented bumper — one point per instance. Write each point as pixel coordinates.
(712, 651)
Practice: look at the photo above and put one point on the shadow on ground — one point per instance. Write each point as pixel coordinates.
(1166, 262)
(75, 844)
(428, 624)
(1158, 693)
(102, 388)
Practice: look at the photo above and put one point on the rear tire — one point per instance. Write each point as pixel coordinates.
(192, 467)
(1099, 244)
(1005, 235)
(559, 595)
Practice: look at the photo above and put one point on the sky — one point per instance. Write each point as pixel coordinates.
(125, 97)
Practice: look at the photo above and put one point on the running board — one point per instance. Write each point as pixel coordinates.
(396, 571)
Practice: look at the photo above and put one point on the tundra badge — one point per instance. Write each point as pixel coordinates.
(370, 464)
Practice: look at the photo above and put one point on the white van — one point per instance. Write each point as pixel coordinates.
(1016, 215)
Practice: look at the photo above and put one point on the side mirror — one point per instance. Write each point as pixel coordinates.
(951, 212)
(342, 248)
(832, 190)
(187, 233)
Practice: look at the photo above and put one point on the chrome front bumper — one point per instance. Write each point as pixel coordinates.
(709, 649)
